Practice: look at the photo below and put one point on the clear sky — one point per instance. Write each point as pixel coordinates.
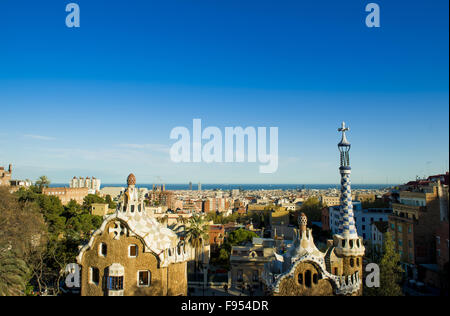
(102, 99)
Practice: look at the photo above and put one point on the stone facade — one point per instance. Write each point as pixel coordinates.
(5, 176)
(132, 254)
(170, 280)
(67, 194)
(100, 209)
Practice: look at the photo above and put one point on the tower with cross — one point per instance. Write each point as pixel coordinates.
(347, 243)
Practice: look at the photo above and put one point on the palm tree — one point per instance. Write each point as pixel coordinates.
(196, 234)
(42, 182)
(13, 274)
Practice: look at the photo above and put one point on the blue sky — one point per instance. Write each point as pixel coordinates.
(102, 99)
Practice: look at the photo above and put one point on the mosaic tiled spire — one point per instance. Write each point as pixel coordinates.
(347, 227)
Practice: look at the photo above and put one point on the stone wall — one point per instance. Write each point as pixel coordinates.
(290, 286)
(164, 281)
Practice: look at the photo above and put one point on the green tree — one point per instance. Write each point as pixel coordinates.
(111, 204)
(13, 273)
(22, 241)
(240, 236)
(390, 271)
(91, 199)
(42, 182)
(312, 208)
(197, 234)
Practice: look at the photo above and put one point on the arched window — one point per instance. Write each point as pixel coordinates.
(94, 276)
(351, 243)
(352, 262)
(336, 271)
(103, 249)
(308, 278)
(300, 278)
(315, 278)
(357, 262)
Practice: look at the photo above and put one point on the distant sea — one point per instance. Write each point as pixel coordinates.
(247, 187)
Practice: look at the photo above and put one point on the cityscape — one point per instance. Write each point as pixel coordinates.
(266, 242)
(225, 155)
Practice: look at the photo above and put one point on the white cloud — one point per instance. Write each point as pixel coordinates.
(152, 147)
(38, 137)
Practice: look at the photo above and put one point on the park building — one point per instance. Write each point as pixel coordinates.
(304, 270)
(132, 254)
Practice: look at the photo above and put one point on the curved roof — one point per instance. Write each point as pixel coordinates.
(156, 237)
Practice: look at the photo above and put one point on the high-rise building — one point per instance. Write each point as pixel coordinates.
(199, 186)
(419, 212)
(92, 184)
(190, 186)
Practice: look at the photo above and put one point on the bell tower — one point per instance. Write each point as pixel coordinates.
(348, 245)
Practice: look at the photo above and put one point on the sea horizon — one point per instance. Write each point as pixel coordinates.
(245, 187)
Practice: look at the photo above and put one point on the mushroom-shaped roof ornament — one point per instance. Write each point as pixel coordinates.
(131, 180)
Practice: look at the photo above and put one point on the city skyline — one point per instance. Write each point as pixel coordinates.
(102, 99)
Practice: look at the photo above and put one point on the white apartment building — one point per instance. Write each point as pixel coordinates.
(92, 184)
(363, 219)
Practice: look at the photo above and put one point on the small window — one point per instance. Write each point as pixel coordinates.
(357, 262)
(352, 262)
(336, 271)
(144, 278)
(133, 251)
(315, 278)
(103, 249)
(308, 278)
(132, 209)
(95, 276)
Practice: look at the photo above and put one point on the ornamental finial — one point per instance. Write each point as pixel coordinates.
(343, 129)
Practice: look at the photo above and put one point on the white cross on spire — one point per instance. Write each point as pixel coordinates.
(343, 128)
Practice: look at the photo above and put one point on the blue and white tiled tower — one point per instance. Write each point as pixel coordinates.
(347, 241)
